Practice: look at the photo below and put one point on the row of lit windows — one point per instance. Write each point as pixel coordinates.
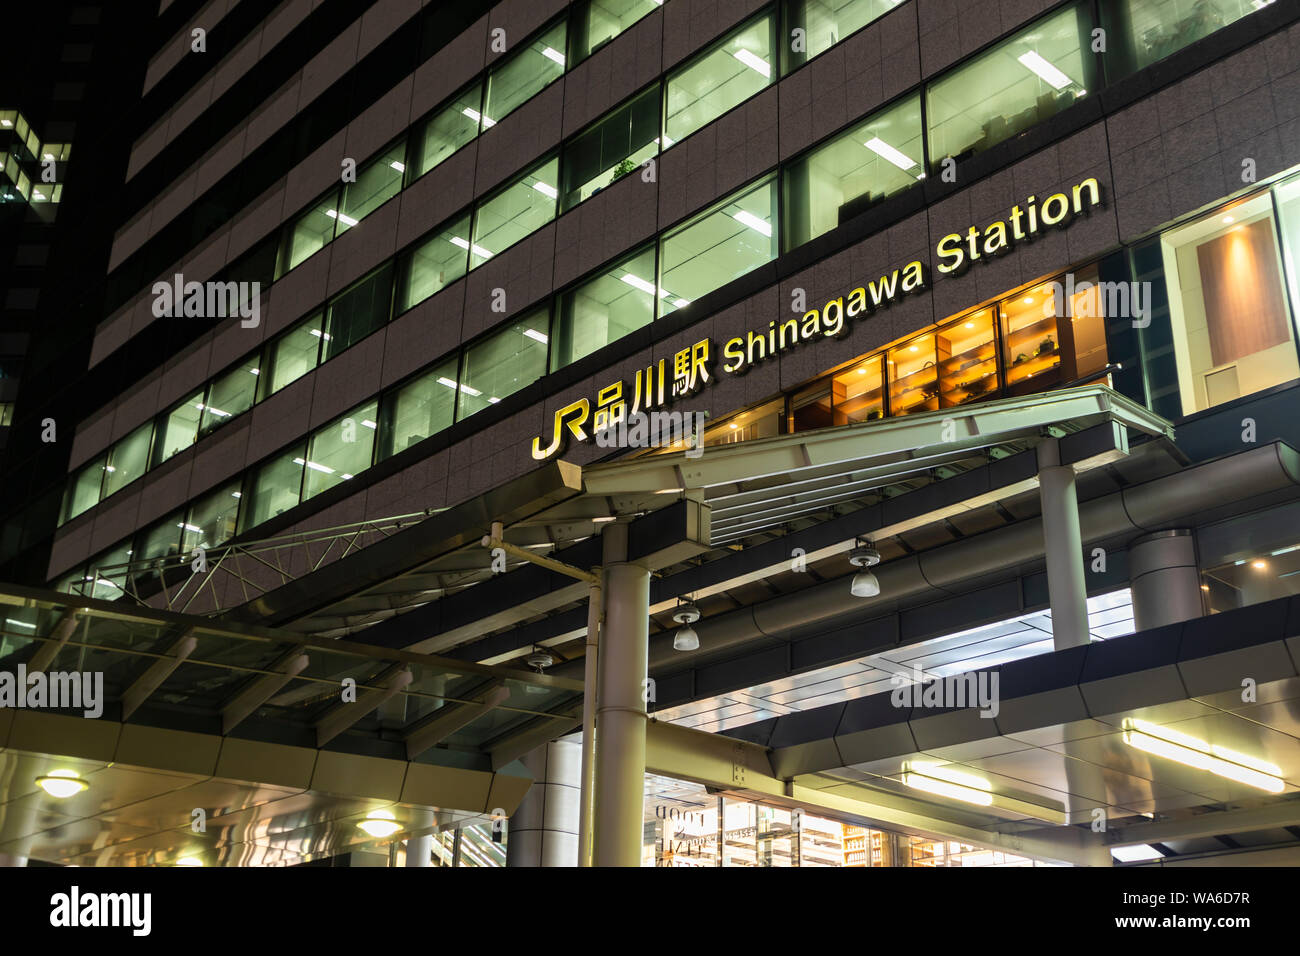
(20, 147)
(829, 184)
(722, 243)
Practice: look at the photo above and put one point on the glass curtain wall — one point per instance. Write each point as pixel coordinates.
(516, 211)
(610, 149)
(825, 23)
(524, 74)
(596, 22)
(722, 77)
(1142, 32)
(605, 309)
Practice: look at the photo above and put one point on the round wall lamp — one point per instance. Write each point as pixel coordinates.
(380, 824)
(865, 583)
(62, 783)
(686, 639)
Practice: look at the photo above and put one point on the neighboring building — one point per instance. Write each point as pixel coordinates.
(1002, 296)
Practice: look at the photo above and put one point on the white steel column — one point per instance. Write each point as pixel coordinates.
(589, 686)
(1063, 547)
(544, 828)
(621, 706)
(1165, 581)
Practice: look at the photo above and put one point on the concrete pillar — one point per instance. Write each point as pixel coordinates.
(1165, 581)
(1063, 545)
(419, 847)
(544, 829)
(621, 706)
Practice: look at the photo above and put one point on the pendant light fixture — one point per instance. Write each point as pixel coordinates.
(686, 639)
(864, 556)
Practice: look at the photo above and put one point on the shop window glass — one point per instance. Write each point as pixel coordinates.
(128, 460)
(433, 265)
(1144, 31)
(446, 131)
(355, 313)
(845, 177)
(967, 356)
(230, 394)
(610, 149)
(211, 520)
(292, 355)
(502, 364)
(1018, 84)
(827, 22)
(1288, 205)
(421, 408)
(377, 182)
(309, 233)
(722, 243)
(340, 450)
(179, 428)
(1232, 328)
(1031, 341)
(605, 309)
(913, 376)
(83, 490)
(515, 212)
(599, 21)
(273, 489)
(723, 77)
(761, 422)
(858, 393)
(525, 74)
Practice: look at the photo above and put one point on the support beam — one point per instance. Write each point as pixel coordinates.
(59, 634)
(448, 720)
(620, 705)
(1063, 547)
(158, 671)
(343, 715)
(587, 780)
(1271, 817)
(260, 691)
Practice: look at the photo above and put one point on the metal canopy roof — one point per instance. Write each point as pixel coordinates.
(425, 582)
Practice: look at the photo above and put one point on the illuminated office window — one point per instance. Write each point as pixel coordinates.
(293, 354)
(596, 22)
(310, 233)
(722, 77)
(128, 460)
(611, 148)
(523, 75)
(850, 174)
(1232, 327)
(1019, 83)
(423, 407)
(274, 488)
(722, 243)
(503, 363)
(516, 211)
(179, 428)
(340, 450)
(83, 490)
(211, 519)
(827, 22)
(358, 311)
(604, 309)
(446, 131)
(377, 182)
(230, 394)
(433, 265)
(1144, 31)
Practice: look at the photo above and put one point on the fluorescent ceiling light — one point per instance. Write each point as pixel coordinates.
(400, 167)
(552, 54)
(326, 469)
(753, 61)
(681, 303)
(946, 782)
(536, 336)
(884, 150)
(1193, 752)
(637, 282)
(1047, 71)
(368, 423)
(1136, 853)
(30, 627)
(753, 222)
(346, 220)
(666, 141)
(253, 371)
(478, 117)
(493, 401)
(236, 494)
(546, 190)
(320, 335)
(476, 249)
(5, 123)
(464, 388)
(189, 527)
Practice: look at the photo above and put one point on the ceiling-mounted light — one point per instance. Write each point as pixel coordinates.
(1193, 752)
(62, 783)
(946, 782)
(380, 824)
(686, 639)
(1036, 63)
(189, 861)
(865, 583)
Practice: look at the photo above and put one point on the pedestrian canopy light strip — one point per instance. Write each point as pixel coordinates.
(1188, 750)
(946, 782)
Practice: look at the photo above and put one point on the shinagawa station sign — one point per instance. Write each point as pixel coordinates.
(660, 384)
